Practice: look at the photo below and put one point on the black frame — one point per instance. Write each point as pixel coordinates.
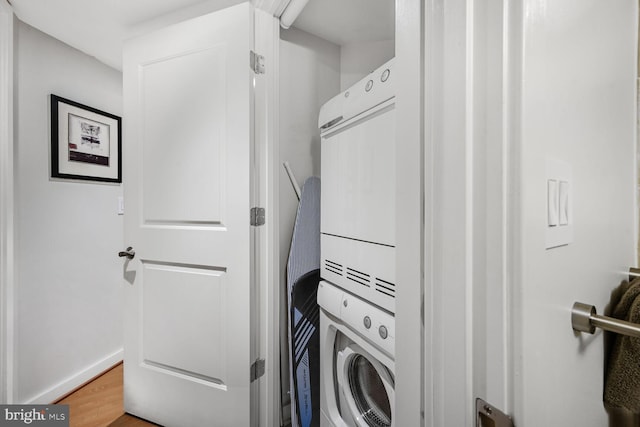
(55, 143)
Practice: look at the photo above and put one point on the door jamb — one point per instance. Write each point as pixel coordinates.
(413, 369)
(7, 205)
(266, 119)
(471, 154)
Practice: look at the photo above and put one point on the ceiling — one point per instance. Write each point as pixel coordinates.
(348, 21)
(99, 27)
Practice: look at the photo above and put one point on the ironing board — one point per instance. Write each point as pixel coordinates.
(303, 276)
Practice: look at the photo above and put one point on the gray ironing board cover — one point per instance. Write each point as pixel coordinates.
(304, 255)
(304, 258)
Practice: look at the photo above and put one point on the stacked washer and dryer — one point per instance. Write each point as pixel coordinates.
(357, 293)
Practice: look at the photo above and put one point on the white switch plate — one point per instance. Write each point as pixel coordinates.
(120, 205)
(562, 233)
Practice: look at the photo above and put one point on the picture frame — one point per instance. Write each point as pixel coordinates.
(86, 143)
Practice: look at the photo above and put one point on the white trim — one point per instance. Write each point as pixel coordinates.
(257, 233)
(432, 88)
(514, 53)
(71, 383)
(7, 260)
(471, 258)
(267, 37)
(448, 238)
(489, 294)
(471, 212)
(272, 7)
(410, 374)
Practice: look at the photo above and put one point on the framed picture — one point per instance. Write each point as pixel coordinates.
(86, 143)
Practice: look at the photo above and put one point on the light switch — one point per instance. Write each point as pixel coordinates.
(563, 204)
(120, 205)
(559, 205)
(552, 203)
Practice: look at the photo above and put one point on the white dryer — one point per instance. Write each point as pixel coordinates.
(357, 241)
(357, 341)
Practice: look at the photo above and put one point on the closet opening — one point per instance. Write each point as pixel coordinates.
(331, 45)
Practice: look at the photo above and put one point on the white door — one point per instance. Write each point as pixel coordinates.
(187, 155)
(537, 84)
(558, 374)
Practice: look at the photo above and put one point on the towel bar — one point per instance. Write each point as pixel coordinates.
(585, 319)
(633, 273)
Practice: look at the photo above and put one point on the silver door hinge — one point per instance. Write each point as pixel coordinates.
(257, 63)
(257, 369)
(257, 216)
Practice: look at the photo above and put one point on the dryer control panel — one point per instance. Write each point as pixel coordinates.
(372, 323)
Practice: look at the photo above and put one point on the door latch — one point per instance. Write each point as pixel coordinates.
(489, 416)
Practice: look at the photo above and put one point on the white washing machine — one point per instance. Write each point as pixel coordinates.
(357, 342)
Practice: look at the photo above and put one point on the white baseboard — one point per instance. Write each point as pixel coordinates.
(75, 381)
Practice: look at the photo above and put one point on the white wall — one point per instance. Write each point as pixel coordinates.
(69, 285)
(309, 76)
(578, 105)
(359, 59)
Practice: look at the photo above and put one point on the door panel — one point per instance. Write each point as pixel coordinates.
(179, 112)
(201, 289)
(188, 297)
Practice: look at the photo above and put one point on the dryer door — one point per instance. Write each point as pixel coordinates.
(366, 388)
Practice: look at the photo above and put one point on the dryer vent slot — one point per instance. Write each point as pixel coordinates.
(385, 287)
(359, 277)
(333, 267)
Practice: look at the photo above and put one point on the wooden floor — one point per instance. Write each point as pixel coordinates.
(100, 403)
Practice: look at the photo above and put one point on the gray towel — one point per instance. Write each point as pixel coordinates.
(622, 386)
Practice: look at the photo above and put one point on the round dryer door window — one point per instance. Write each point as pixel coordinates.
(369, 390)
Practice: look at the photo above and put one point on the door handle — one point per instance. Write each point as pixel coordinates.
(129, 253)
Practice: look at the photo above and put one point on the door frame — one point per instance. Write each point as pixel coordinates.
(413, 363)
(473, 54)
(455, 301)
(266, 136)
(7, 205)
(415, 357)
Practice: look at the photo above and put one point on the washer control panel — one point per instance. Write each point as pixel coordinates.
(371, 322)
